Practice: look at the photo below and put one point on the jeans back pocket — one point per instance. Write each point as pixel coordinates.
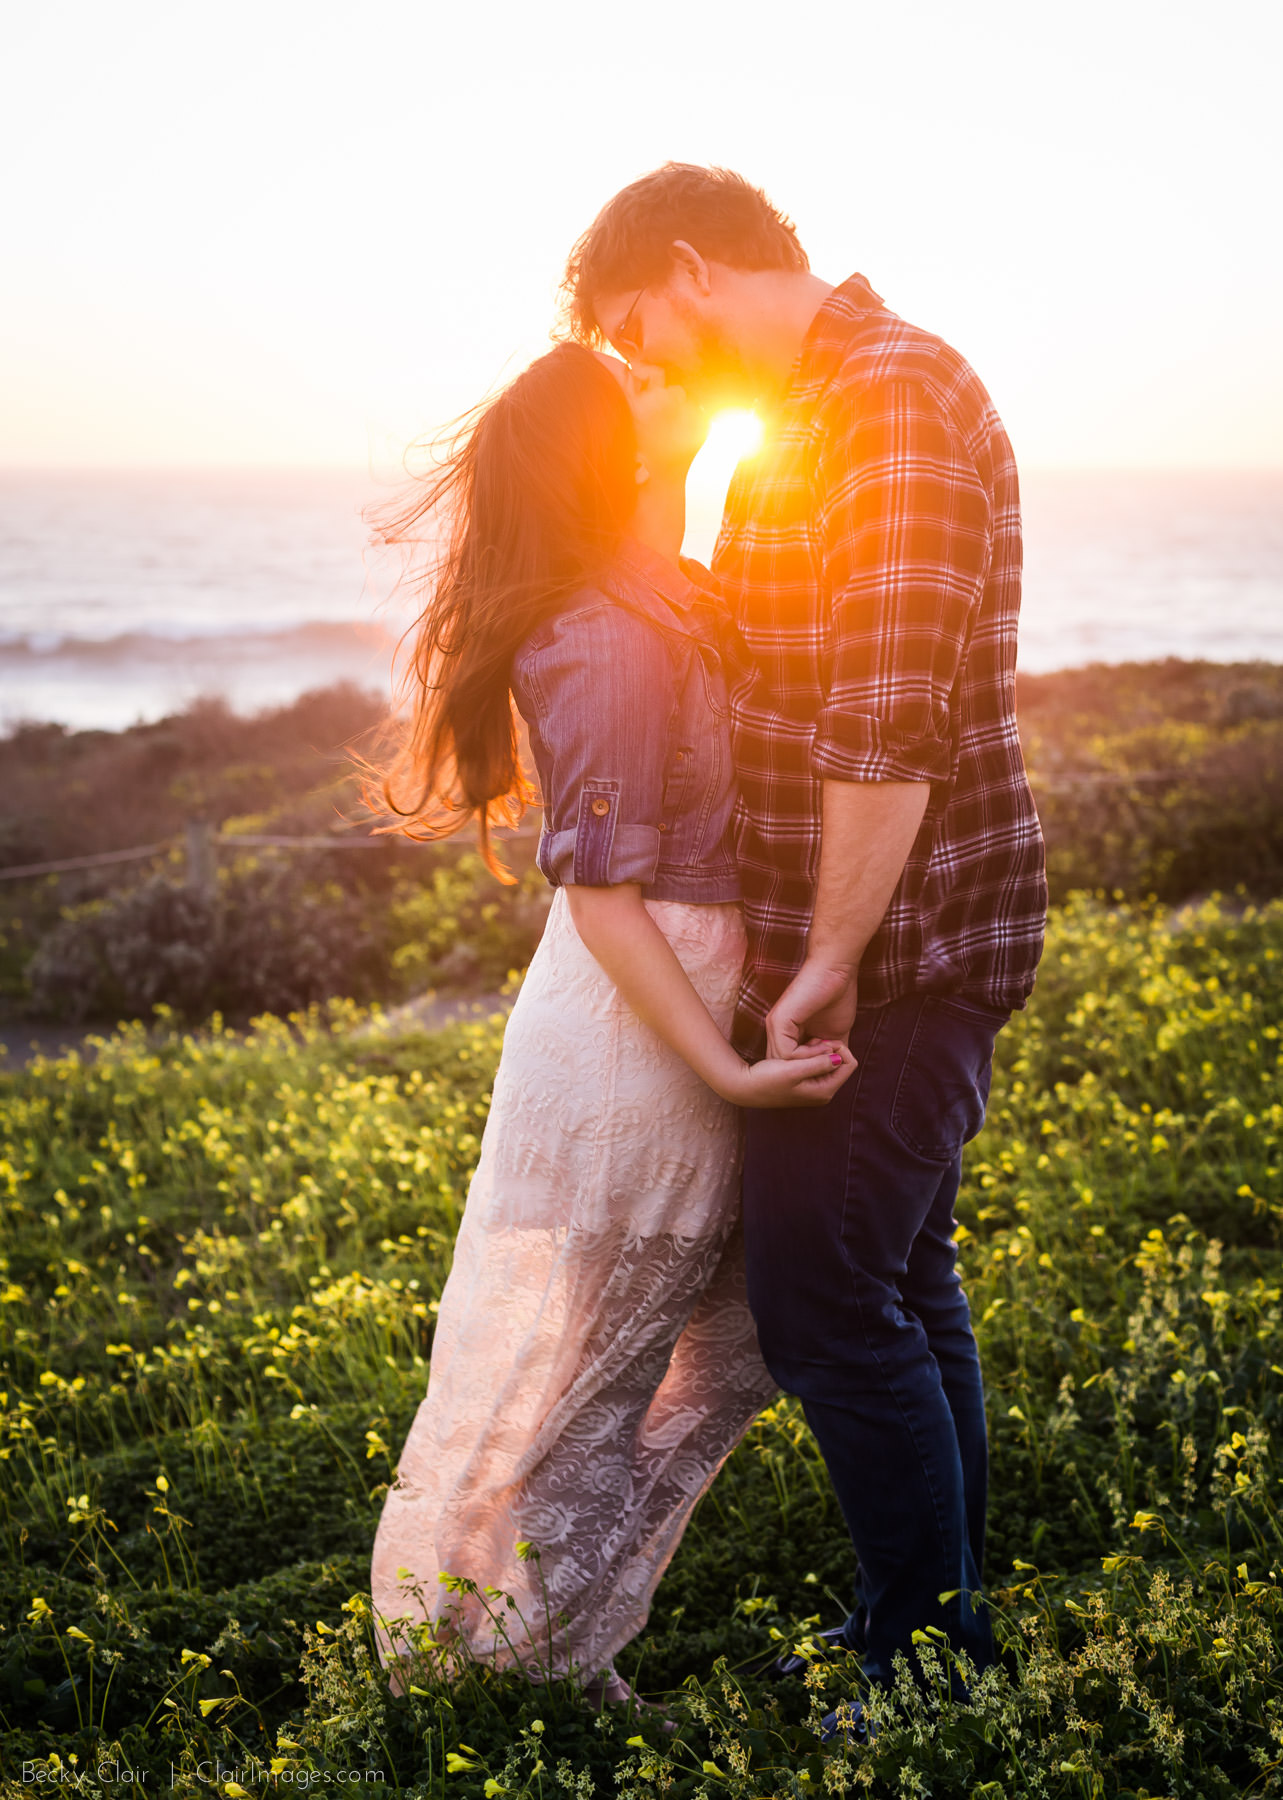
(943, 1088)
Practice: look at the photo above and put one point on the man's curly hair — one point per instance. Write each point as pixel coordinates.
(630, 241)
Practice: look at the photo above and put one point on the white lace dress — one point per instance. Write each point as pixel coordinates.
(595, 1360)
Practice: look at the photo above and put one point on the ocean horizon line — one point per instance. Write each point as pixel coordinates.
(13, 722)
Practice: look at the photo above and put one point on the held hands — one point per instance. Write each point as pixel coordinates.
(807, 1056)
(818, 1002)
(809, 1077)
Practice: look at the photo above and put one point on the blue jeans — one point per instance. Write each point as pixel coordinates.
(848, 1218)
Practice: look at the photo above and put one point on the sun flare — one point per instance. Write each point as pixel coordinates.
(732, 436)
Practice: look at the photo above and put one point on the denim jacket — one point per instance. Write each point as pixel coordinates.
(626, 701)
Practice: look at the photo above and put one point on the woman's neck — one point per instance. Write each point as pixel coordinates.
(660, 519)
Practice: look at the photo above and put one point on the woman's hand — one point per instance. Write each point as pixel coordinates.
(810, 1077)
(619, 932)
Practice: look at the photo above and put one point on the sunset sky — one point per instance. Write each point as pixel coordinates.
(270, 232)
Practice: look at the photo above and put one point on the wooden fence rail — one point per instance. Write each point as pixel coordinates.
(201, 845)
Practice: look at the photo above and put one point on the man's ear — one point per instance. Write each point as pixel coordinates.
(688, 261)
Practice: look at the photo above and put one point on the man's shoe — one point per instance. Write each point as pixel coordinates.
(831, 1646)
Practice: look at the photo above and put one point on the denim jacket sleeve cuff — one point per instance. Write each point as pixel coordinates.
(600, 851)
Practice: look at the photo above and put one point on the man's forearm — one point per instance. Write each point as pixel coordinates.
(868, 832)
(869, 828)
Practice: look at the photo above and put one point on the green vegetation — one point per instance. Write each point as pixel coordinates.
(221, 1258)
(1160, 778)
(284, 931)
(1155, 778)
(285, 928)
(73, 793)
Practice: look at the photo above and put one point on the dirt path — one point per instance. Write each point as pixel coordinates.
(22, 1041)
(429, 1012)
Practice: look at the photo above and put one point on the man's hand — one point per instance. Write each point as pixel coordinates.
(819, 1002)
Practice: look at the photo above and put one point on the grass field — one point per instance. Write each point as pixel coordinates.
(221, 1258)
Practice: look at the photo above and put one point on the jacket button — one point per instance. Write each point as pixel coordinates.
(662, 826)
(601, 807)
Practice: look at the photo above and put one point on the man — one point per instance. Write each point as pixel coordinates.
(891, 857)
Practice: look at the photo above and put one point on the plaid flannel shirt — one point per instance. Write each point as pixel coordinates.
(870, 556)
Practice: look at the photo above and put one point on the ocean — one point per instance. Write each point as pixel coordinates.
(126, 595)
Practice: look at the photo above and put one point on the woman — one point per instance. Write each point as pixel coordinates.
(594, 1359)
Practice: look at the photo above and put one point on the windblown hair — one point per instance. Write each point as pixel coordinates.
(630, 241)
(534, 495)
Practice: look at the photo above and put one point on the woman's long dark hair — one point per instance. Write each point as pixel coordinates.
(535, 494)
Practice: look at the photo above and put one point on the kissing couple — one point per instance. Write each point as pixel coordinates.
(799, 889)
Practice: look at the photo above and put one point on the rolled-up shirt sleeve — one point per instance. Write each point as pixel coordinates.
(907, 539)
(603, 692)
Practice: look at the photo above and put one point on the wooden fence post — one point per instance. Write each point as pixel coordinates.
(202, 860)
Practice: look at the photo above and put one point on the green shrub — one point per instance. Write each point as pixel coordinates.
(281, 935)
(271, 941)
(463, 928)
(1160, 778)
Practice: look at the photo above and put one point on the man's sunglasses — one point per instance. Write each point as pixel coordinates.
(620, 337)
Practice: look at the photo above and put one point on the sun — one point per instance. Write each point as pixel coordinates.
(732, 436)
